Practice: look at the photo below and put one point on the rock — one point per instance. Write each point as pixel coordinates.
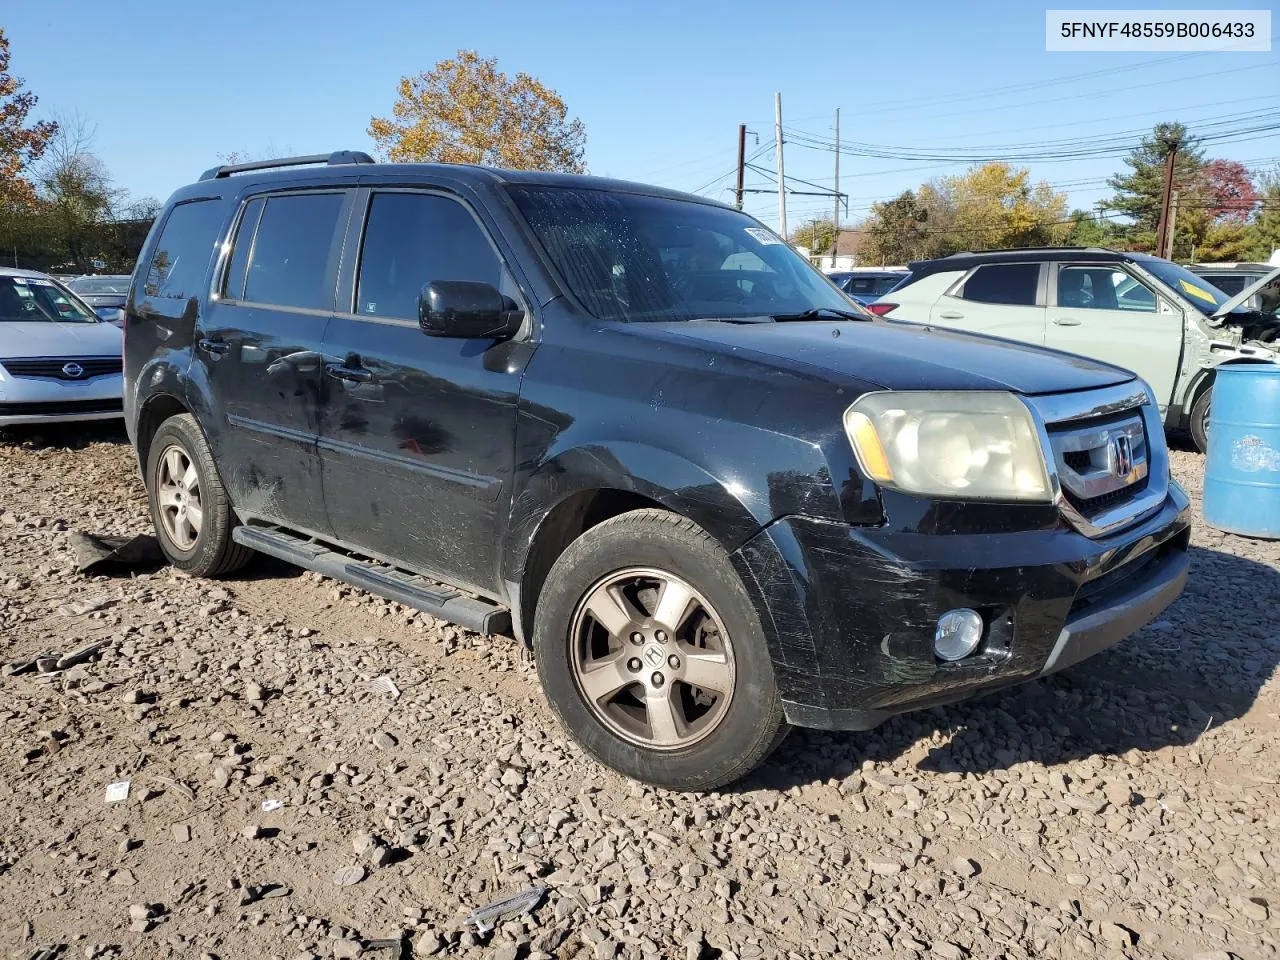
(885, 868)
(252, 832)
(347, 949)
(946, 950)
(965, 867)
(1077, 879)
(1117, 935)
(181, 832)
(383, 740)
(1255, 909)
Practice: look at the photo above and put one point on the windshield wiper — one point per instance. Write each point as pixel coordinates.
(818, 313)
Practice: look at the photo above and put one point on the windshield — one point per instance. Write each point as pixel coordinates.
(93, 286)
(1194, 289)
(28, 299)
(634, 257)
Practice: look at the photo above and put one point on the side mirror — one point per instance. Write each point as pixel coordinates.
(463, 309)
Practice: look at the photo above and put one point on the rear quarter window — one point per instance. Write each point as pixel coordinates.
(180, 262)
(1012, 284)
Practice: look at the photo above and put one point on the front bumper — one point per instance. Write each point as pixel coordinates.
(38, 400)
(850, 612)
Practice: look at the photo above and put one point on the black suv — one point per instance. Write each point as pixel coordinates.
(637, 431)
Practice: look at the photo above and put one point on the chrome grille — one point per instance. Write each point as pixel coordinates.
(1108, 462)
(63, 368)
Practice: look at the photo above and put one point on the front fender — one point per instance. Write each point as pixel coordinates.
(730, 509)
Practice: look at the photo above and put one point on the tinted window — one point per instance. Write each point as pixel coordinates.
(628, 256)
(412, 239)
(177, 268)
(870, 286)
(234, 287)
(292, 251)
(1102, 288)
(1228, 284)
(1012, 283)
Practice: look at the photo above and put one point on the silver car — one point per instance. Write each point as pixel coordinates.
(58, 360)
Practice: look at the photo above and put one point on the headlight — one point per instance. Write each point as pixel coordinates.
(963, 445)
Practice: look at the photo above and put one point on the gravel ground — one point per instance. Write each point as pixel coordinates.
(1125, 807)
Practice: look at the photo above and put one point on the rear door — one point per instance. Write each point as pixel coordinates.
(997, 299)
(1100, 310)
(418, 441)
(259, 348)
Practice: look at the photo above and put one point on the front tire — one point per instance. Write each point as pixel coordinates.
(190, 509)
(652, 656)
(1200, 421)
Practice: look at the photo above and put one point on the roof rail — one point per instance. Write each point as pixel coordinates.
(338, 156)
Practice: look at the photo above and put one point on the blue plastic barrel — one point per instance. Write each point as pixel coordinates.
(1242, 471)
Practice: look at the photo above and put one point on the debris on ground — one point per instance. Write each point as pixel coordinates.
(93, 550)
(485, 918)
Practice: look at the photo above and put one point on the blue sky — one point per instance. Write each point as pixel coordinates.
(661, 86)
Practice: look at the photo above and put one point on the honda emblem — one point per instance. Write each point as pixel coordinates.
(1121, 455)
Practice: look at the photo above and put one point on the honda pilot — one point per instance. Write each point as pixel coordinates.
(636, 431)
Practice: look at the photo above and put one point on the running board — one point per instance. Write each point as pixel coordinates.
(482, 616)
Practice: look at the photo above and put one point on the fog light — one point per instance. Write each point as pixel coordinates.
(958, 635)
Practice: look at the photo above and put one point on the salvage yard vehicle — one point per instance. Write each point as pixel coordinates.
(635, 430)
(1231, 278)
(1157, 318)
(105, 293)
(58, 361)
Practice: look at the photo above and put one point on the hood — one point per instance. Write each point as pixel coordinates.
(1268, 289)
(53, 339)
(906, 356)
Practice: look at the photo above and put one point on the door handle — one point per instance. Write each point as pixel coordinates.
(951, 315)
(347, 374)
(1066, 322)
(215, 348)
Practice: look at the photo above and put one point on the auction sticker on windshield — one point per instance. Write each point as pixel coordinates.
(1195, 291)
(763, 235)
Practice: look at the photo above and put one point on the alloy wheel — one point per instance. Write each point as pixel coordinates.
(652, 658)
(178, 495)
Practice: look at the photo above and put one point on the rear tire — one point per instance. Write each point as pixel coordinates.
(190, 509)
(692, 704)
(1200, 421)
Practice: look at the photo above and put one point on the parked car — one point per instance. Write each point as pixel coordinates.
(637, 431)
(1169, 325)
(866, 285)
(1232, 278)
(106, 294)
(58, 361)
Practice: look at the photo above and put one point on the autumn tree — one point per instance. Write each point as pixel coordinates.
(897, 231)
(818, 236)
(995, 205)
(467, 111)
(20, 144)
(1231, 194)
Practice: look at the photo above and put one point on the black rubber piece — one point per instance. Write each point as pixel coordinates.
(1199, 421)
(215, 553)
(754, 724)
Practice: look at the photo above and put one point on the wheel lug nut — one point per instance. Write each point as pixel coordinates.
(657, 679)
(674, 661)
(633, 664)
(637, 638)
(660, 636)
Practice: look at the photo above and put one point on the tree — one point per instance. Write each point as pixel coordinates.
(20, 144)
(1264, 231)
(1090, 230)
(76, 193)
(996, 206)
(1231, 192)
(466, 111)
(819, 236)
(1139, 192)
(896, 231)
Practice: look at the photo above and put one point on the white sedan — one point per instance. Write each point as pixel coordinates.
(58, 360)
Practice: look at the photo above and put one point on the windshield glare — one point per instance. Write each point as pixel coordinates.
(35, 299)
(635, 257)
(1194, 289)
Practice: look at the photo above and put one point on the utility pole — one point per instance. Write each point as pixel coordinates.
(742, 160)
(813, 237)
(782, 179)
(1167, 252)
(836, 218)
(1164, 236)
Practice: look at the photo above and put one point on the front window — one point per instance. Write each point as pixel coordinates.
(635, 257)
(1192, 288)
(38, 299)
